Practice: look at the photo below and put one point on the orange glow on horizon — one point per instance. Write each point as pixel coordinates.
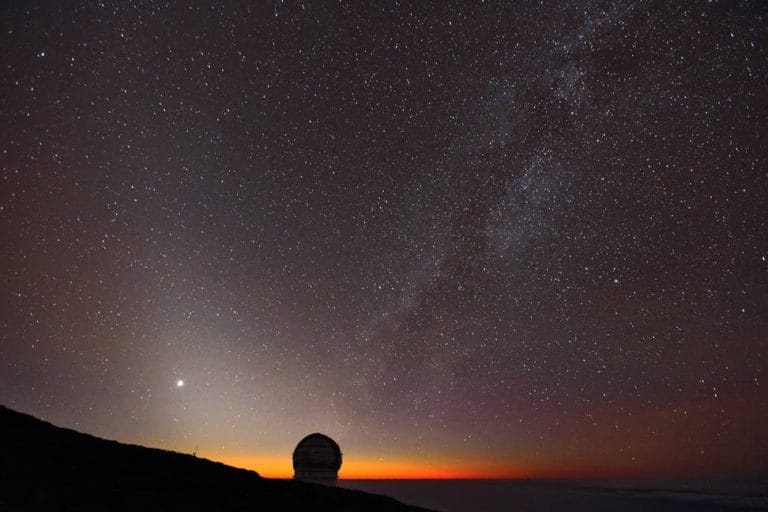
(448, 469)
(376, 469)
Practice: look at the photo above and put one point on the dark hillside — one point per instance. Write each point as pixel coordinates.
(44, 467)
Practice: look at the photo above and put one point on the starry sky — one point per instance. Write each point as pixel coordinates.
(464, 240)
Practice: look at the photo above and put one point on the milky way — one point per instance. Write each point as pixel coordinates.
(501, 239)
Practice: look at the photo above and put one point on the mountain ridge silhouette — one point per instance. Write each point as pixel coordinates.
(45, 467)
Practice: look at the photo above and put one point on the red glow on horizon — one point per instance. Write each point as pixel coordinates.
(376, 469)
(407, 469)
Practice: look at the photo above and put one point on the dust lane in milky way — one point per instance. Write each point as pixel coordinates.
(489, 240)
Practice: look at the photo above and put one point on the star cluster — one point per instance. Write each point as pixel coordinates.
(522, 239)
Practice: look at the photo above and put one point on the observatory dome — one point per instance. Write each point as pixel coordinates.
(317, 458)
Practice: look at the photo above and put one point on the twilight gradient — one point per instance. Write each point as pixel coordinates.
(506, 239)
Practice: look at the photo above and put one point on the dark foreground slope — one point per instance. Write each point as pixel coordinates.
(43, 467)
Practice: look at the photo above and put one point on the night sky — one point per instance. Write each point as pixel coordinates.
(501, 239)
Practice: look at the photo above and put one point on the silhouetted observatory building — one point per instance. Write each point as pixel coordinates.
(317, 458)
